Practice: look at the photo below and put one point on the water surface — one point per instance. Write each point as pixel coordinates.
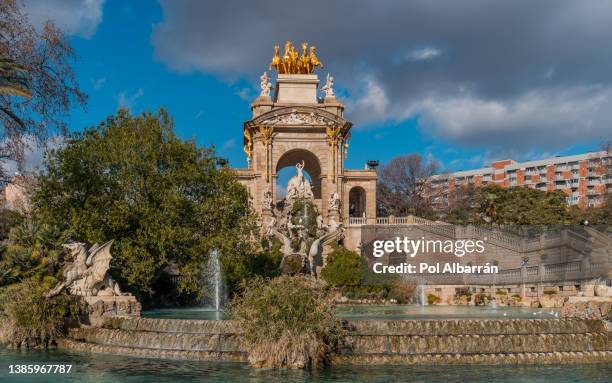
(102, 368)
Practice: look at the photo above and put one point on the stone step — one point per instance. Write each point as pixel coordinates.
(358, 344)
(364, 359)
(380, 327)
(474, 344)
(477, 327)
(158, 340)
(174, 325)
(232, 356)
(481, 359)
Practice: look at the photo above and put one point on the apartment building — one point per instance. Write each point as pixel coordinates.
(584, 178)
(14, 196)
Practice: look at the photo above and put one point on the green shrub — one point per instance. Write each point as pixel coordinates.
(402, 291)
(266, 263)
(517, 297)
(289, 322)
(345, 271)
(501, 292)
(31, 319)
(343, 268)
(550, 292)
(463, 291)
(482, 299)
(31, 250)
(432, 299)
(292, 265)
(8, 219)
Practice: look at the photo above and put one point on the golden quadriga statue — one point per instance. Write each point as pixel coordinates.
(292, 63)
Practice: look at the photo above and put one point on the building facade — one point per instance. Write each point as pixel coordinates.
(584, 178)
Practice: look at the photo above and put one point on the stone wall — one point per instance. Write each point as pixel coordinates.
(588, 307)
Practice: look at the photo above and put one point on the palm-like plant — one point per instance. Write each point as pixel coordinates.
(13, 82)
(13, 78)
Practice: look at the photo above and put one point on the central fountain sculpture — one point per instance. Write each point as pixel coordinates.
(299, 226)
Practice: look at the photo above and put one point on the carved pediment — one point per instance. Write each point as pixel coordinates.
(298, 116)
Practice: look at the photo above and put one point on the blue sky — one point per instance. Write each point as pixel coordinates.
(423, 93)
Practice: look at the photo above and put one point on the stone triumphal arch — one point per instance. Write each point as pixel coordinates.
(295, 121)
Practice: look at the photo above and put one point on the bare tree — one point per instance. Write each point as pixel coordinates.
(37, 83)
(402, 184)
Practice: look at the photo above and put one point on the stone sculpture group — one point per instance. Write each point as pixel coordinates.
(294, 227)
(86, 275)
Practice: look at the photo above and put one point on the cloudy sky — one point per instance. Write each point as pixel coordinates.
(466, 82)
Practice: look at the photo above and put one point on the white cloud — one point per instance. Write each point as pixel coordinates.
(127, 101)
(423, 54)
(549, 118)
(74, 17)
(546, 119)
(373, 103)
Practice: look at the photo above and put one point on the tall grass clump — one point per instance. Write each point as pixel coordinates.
(288, 322)
(30, 320)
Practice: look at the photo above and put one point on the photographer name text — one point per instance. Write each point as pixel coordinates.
(435, 268)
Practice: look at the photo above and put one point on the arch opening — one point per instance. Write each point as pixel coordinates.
(357, 202)
(285, 170)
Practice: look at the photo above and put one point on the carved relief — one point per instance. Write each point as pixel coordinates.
(297, 118)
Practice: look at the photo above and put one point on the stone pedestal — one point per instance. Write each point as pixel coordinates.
(333, 213)
(297, 88)
(101, 307)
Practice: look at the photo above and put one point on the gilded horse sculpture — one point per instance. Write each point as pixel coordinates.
(292, 63)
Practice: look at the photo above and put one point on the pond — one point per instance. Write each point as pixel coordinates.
(101, 368)
(362, 312)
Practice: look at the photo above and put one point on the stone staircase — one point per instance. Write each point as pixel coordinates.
(161, 338)
(504, 341)
(487, 341)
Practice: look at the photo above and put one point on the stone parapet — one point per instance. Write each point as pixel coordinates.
(102, 307)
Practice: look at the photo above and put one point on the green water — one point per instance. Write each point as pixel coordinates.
(383, 312)
(100, 368)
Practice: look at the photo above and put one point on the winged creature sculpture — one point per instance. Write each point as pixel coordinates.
(87, 274)
(317, 244)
